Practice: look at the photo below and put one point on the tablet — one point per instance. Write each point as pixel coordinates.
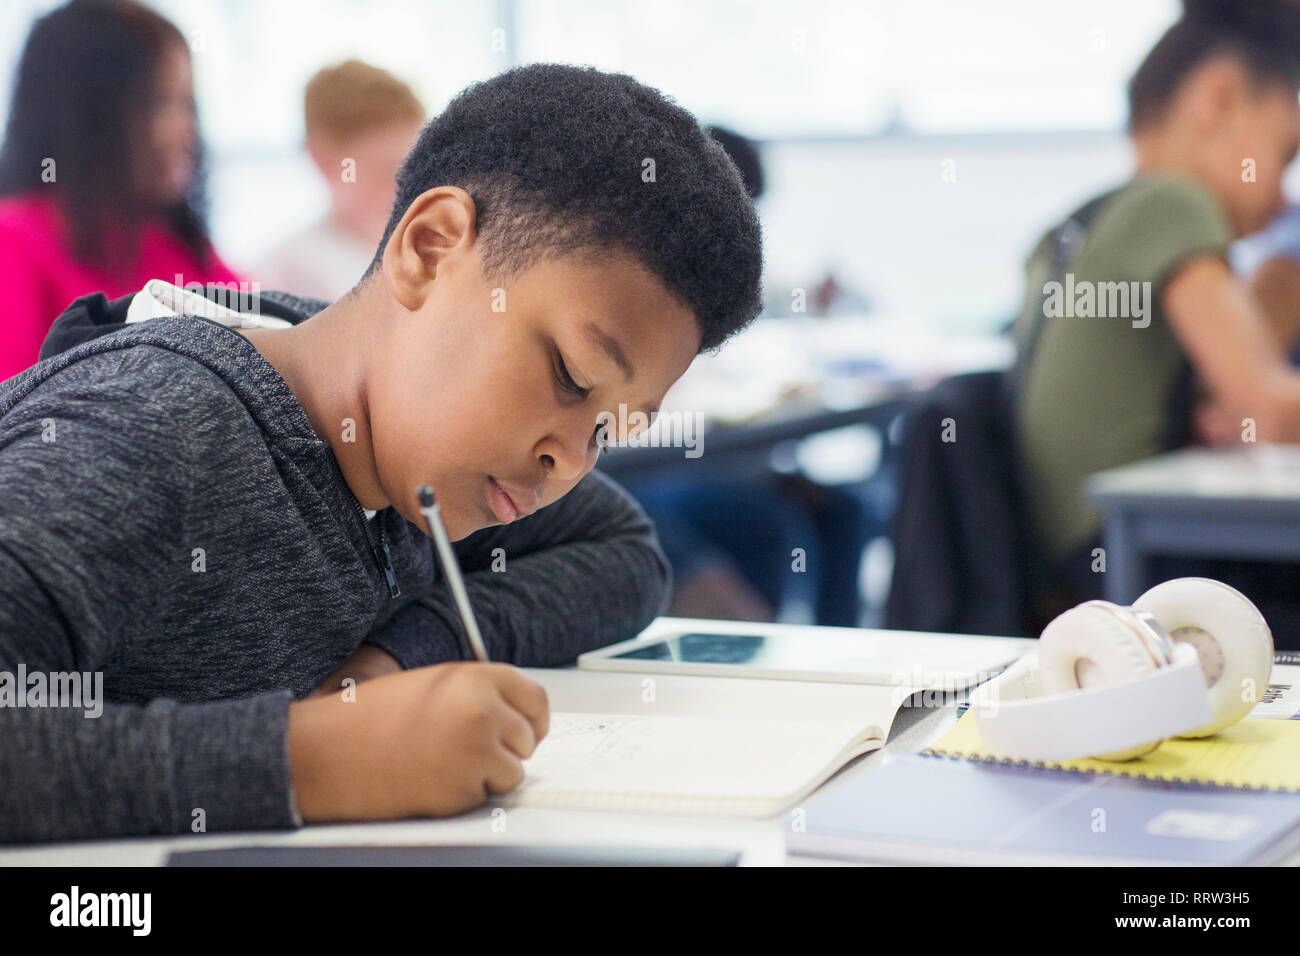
(797, 652)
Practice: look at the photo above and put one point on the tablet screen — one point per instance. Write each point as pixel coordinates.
(702, 649)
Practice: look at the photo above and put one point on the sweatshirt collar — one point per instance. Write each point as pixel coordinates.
(159, 298)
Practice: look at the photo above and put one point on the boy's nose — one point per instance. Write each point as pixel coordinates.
(563, 457)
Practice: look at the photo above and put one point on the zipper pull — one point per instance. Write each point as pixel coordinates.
(385, 560)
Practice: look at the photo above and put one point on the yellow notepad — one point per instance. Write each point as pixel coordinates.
(1253, 754)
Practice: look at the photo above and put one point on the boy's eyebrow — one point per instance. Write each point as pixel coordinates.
(610, 346)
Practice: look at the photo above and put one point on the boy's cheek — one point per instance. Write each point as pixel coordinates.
(555, 491)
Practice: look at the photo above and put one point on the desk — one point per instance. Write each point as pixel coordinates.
(747, 449)
(784, 379)
(761, 842)
(1239, 503)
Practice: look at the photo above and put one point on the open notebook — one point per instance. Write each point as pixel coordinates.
(697, 745)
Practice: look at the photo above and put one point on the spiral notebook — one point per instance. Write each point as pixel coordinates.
(927, 809)
(1204, 801)
(1261, 752)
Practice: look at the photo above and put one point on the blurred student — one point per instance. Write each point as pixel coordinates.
(101, 186)
(361, 121)
(1214, 121)
(734, 543)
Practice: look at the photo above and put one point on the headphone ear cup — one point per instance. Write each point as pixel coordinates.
(1231, 638)
(1092, 645)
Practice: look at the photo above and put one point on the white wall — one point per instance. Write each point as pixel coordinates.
(879, 213)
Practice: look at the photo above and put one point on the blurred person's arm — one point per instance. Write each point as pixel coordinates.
(1235, 353)
(1276, 289)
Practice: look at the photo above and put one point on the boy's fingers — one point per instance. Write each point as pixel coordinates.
(517, 733)
(526, 696)
(504, 772)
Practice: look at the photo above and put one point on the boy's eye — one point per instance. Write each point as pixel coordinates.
(566, 381)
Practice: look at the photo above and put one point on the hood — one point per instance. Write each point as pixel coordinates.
(93, 324)
(92, 316)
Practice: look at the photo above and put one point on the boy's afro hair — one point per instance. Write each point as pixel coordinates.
(557, 160)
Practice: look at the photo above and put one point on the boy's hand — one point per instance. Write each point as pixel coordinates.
(430, 741)
(365, 663)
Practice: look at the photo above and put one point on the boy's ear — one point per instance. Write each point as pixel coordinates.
(436, 223)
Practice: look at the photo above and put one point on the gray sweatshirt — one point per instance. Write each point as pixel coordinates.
(171, 526)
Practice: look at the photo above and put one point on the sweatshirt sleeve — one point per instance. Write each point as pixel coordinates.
(582, 573)
(95, 481)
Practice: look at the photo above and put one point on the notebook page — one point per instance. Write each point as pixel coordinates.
(684, 764)
(1282, 699)
(871, 707)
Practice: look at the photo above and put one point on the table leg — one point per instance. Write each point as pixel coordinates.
(1125, 566)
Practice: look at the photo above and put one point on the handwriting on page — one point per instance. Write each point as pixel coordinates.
(682, 756)
(581, 739)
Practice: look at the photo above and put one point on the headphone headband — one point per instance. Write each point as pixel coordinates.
(1016, 724)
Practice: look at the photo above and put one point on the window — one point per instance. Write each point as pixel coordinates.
(777, 69)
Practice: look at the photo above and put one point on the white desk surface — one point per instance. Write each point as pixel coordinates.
(1262, 472)
(827, 364)
(761, 842)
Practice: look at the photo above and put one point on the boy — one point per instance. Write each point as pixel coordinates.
(185, 505)
(360, 123)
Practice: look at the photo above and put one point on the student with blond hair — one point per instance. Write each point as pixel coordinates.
(361, 121)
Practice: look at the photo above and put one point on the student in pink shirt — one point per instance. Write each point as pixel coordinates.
(101, 187)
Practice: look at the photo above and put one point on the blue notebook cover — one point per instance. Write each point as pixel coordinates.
(934, 809)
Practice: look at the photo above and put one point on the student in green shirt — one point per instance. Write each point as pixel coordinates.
(1137, 292)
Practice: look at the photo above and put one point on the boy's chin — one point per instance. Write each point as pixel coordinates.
(459, 527)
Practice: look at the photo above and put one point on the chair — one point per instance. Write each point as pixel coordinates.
(961, 560)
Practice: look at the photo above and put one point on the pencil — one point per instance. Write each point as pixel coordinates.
(431, 510)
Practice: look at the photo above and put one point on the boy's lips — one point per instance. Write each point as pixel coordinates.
(506, 502)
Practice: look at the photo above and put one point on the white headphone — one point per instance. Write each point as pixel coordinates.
(1189, 658)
